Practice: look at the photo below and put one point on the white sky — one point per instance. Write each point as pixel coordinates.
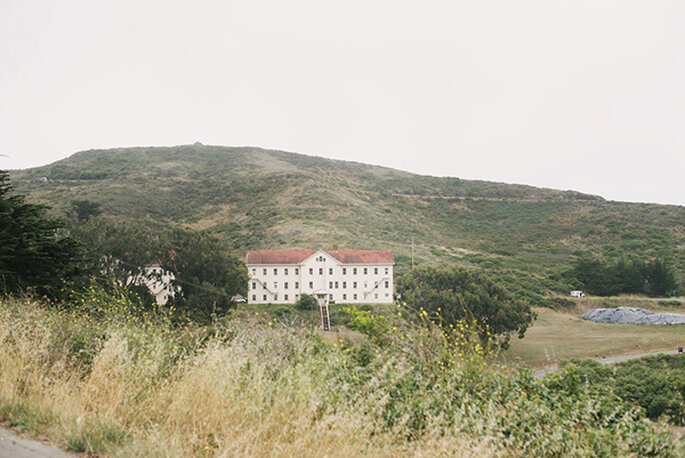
(585, 95)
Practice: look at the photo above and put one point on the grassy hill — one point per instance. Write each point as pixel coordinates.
(256, 198)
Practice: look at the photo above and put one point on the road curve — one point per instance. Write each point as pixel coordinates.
(15, 447)
(540, 373)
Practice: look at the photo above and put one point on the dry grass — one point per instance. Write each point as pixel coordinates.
(129, 384)
(557, 335)
(224, 400)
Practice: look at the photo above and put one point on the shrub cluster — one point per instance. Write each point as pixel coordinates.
(655, 383)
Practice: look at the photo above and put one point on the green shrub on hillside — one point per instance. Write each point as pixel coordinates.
(655, 383)
(306, 302)
(451, 295)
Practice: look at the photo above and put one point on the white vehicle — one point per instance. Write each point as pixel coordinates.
(577, 293)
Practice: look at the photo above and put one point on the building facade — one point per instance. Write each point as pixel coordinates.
(342, 276)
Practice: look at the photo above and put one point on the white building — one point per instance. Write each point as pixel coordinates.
(343, 276)
(158, 281)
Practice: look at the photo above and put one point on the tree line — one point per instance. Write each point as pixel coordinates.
(654, 278)
(52, 256)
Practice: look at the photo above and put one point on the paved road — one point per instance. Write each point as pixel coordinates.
(540, 373)
(12, 446)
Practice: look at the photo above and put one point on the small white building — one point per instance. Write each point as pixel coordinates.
(344, 276)
(577, 293)
(158, 281)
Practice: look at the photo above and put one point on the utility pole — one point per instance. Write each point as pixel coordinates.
(412, 252)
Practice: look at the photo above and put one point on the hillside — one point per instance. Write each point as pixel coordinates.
(256, 198)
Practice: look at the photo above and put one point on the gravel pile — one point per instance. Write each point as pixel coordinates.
(632, 315)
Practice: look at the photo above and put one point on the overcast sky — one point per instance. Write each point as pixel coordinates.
(584, 95)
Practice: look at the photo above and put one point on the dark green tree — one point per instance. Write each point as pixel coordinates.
(85, 209)
(453, 294)
(35, 251)
(122, 250)
(306, 302)
(207, 274)
(660, 279)
(654, 278)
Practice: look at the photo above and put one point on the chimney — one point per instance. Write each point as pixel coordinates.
(335, 247)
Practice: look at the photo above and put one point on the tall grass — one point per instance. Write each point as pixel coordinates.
(103, 377)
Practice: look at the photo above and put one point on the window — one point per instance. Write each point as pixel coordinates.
(254, 285)
(354, 285)
(344, 284)
(320, 270)
(285, 285)
(344, 297)
(285, 271)
(330, 285)
(311, 271)
(285, 298)
(254, 297)
(330, 271)
(344, 271)
(375, 296)
(330, 296)
(354, 271)
(254, 271)
(336, 285)
(375, 270)
(276, 297)
(386, 271)
(275, 284)
(387, 284)
(311, 285)
(297, 296)
(387, 295)
(366, 271)
(265, 297)
(264, 271)
(297, 270)
(297, 285)
(275, 271)
(354, 296)
(366, 284)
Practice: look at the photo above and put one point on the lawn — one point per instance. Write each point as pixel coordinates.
(557, 335)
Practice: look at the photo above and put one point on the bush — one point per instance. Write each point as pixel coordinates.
(451, 295)
(306, 302)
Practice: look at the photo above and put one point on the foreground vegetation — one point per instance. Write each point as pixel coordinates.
(656, 383)
(106, 375)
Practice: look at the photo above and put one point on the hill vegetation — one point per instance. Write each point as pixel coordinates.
(260, 199)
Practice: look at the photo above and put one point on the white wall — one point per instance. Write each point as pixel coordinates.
(374, 282)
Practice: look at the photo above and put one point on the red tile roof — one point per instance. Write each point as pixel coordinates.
(298, 256)
(363, 256)
(278, 256)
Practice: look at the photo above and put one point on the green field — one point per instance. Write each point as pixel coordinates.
(557, 335)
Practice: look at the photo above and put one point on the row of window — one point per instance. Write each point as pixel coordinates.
(297, 296)
(365, 271)
(331, 285)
